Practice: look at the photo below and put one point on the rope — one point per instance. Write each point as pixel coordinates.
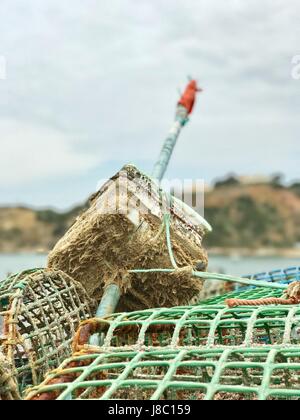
(201, 274)
(292, 297)
(169, 244)
(232, 303)
(42, 312)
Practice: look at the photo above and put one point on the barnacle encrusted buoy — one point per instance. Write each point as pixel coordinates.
(40, 311)
(122, 230)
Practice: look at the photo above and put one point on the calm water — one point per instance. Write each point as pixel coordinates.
(13, 263)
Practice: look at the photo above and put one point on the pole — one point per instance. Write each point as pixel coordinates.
(185, 106)
(108, 305)
(162, 163)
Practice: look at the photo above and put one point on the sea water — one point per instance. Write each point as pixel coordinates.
(14, 263)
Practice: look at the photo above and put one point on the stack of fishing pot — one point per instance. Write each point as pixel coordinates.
(40, 311)
(208, 351)
(256, 373)
(126, 228)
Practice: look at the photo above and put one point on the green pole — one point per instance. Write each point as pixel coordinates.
(109, 301)
(112, 295)
(162, 163)
(108, 305)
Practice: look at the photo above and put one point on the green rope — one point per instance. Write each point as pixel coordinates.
(169, 244)
(216, 276)
(200, 274)
(21, 286)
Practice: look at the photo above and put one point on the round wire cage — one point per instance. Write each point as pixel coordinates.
(204, 352)
(40, 311)
(213, 291)
(246, 293)
(262, 373)
(279, 275)
(207, 324)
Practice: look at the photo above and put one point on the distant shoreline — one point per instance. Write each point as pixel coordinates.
(260, 252)
(231, 261)
(214, 251)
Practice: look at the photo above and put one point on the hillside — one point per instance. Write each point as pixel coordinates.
(243, 216)
(253, 216)
(27, 230)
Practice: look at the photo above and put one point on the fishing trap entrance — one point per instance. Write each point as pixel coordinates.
(40, 311)
(262, 373)
(124, 229)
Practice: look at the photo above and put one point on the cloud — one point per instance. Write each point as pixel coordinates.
(31, 152)
(99, 81)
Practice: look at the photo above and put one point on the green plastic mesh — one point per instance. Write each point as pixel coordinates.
(194, 326)
(208, 351)
(249, 294)
(40, 311)
(263, 373)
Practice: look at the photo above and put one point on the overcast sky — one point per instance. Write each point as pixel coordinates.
(91, 85)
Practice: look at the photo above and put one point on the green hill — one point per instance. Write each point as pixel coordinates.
(242, 216)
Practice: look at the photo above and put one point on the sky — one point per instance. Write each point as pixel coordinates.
(89, 86)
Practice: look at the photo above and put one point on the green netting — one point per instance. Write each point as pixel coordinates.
(282, 274)
(250, 294)
(208, 351)
(263, 373)
(40, 310)
(205, 326)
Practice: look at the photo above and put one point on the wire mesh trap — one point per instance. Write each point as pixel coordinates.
(204, 326)
(284, 275)
(124, 229)
(192, 352)
(40, 311)
(212, 289)
(263, 373)
(248, 293)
